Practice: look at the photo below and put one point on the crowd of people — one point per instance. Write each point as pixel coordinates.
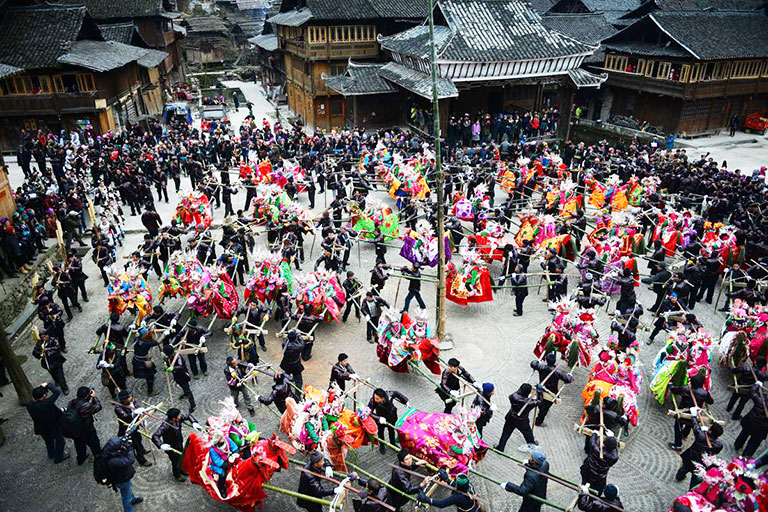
(125, 174)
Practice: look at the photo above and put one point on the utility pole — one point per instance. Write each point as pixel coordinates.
(440, 301)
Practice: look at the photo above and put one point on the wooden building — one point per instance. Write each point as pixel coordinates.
(209, 41)
(492, 56)
(67, 75)
(318, 37)
(688, 72)
(154, 20)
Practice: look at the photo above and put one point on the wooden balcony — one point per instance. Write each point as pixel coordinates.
(696, 90)
(333, 51)
(71, 103)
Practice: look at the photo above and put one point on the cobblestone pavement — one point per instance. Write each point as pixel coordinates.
(492, 344)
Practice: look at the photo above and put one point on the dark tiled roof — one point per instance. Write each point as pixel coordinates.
(205, 24)
(717, 35)
(152, 58)
(646, 49)
(102, 55)
(121, 9)
(6, 70)
(588, 28)
(359, 80)
(541, 6)
(417, 82)
(349, 10)
(266, 41)
(496, 30)
(35, 37)
(415, 41)
(120, 32)
(612, 5)
(292, 18)
(582, 78)
(700, 5)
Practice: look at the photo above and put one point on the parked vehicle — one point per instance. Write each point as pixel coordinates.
(757, 122)
(214, 113)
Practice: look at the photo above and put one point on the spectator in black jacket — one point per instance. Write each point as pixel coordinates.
(401, 480)
(86, 404)
(281, 390)
(533, 484)
(119, 459)
(311, 485)
(46, 417)
(383, 410)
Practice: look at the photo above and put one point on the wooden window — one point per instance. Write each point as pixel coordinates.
(765, 68)
(664, 69)
(58, 83)
(650, 67)
(685, 73)
(334, 35)
(640, 67)
(695, 70)
(85, 82)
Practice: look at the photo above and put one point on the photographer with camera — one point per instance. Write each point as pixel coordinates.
(86, 405)
(118, 458)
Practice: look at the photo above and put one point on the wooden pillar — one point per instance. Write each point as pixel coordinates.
(354, 111)
(567, 95)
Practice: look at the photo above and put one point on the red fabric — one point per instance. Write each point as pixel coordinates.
(245, 477)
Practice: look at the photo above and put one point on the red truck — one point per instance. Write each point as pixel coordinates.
(757, 122)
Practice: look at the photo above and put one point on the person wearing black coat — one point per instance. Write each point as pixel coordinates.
(709, 279)
(482, 402)
(351, 286)
(745, 378)
(143, 367)
(658, 280)
(86, 405)
(372, 309)
(46, 418)
(178, 369)
(401, 480)
(78, 276)
(114, 370)
(341, 372)
(594, 469)
(549, 377)
(169, 436)
(589, 503)
(311, 484)
(533, 483)
(627, 297)
(754, 426)
(702, 396)
(519, 282)
(119, 459)
(281, 390)
(658, 255)
(125, 410)
(705, 442)
(49, 351)
(384, 412)
(461, 496)
(450, 383)
(293, 346)
(117, 331)
(521, 405)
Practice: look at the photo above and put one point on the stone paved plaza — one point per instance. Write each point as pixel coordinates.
(491, 344)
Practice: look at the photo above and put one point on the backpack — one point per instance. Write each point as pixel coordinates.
(101, 471)
(71, 425)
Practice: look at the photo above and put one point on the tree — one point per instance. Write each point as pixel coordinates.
(15, 371)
